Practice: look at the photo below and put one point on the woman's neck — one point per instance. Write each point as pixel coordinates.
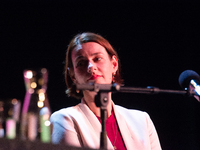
(89, 100)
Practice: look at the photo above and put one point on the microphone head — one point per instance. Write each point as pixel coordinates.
(186, 76)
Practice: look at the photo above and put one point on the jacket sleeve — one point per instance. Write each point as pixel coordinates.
(153, 136)
(64, 130)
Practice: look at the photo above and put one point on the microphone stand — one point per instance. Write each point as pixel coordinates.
(101, 99)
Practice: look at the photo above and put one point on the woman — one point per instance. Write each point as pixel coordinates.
(90, 58)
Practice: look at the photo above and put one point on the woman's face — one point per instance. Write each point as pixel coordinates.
(91, 63)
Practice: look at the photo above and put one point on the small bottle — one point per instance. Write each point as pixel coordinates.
(1, 119)
(12, 109)
(45, 135)
(35, 99)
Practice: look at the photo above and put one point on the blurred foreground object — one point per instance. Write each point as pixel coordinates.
(34, 126)
(1, 119)
(9, 117)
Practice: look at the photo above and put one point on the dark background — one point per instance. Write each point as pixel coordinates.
(155, 40)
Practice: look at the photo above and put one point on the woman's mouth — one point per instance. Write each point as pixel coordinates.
(94, 77)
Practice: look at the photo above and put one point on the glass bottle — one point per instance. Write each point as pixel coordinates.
(1, 119)
(32, 124)
(12, 114)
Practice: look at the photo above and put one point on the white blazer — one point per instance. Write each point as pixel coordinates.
(78, 126)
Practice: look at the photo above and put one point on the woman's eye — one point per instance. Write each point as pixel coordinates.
(80, 63)
(98, 58)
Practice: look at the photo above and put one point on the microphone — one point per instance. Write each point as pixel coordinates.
(190, 80)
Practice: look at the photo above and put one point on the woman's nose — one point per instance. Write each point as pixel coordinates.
(90, 67)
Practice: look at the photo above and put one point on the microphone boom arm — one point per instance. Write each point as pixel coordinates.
(117, 88)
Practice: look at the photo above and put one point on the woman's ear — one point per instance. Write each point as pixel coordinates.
(115, 63)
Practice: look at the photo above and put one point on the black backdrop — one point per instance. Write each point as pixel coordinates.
(155, 40)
